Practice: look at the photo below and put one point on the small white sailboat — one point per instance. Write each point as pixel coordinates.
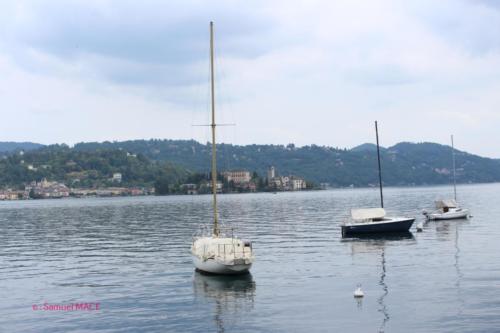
(374, 220)
(448, 209)
(215, 251)
(220, 254)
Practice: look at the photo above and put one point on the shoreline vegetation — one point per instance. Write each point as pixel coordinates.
(161, 167)
(199, 184)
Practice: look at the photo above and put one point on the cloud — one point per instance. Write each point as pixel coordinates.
(305, 72)
(157, 42)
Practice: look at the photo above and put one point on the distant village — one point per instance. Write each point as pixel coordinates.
(45, 189)
(240, 181)
(237, 181)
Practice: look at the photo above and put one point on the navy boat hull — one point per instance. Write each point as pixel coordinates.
(386, 226)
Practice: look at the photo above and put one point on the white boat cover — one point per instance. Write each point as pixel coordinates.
(449, 203)
(223, 249)
(368, 213)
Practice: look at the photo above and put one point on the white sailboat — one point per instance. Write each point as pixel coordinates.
(448, 209)
(215, 251)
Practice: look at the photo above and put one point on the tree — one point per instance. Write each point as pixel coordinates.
(161, 186)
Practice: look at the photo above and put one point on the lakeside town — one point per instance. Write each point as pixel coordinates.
(234, 181)
(242, 181)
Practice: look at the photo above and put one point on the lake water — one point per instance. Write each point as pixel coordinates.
(131, 255)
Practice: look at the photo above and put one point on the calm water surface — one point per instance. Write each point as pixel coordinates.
(132, 256)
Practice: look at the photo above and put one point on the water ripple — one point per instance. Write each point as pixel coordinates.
(132, 256)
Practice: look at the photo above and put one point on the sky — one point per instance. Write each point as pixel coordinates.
(302, 72)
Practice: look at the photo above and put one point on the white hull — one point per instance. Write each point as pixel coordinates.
(464, 213)
(215, 267)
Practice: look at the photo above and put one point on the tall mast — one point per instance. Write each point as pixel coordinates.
(379, 168)
(214, 165)
(454, 174)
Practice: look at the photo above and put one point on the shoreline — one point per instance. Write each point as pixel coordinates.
(255, 192)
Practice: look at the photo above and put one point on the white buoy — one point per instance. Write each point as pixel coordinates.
(420, 227)
(358, 292)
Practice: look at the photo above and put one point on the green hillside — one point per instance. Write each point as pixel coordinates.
(403, 164)
(85, 168)
(144, 162)
(7, 147)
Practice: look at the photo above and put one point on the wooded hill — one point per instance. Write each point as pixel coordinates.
(403, 164)
(85, 168)
(144, 161)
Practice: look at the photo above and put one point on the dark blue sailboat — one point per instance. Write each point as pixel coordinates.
(374, 220)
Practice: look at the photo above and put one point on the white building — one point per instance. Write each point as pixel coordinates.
(238, 177)
(218, 186)
(117, 177)
(190, 188)
(288, 183)
(297, 184)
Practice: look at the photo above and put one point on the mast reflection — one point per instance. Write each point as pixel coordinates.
(448, 231)
(380, 301)
(377, 243)
(233, 295)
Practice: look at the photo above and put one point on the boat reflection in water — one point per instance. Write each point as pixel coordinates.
(376, 243)
(368, 241)
(233, 295)
(450, 231)
(447, 230)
